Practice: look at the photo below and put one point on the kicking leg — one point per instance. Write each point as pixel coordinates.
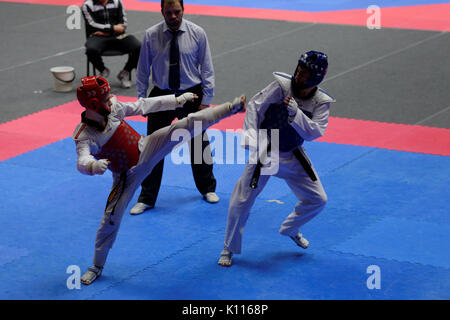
(160, 143)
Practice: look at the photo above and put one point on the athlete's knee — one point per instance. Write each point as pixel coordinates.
(322, 199)
(191, 118)
(319, 200)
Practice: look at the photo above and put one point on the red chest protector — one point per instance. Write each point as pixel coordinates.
(121, 149)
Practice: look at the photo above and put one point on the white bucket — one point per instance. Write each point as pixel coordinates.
(62, 78)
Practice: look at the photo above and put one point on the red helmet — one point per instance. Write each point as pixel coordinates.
(94, 94)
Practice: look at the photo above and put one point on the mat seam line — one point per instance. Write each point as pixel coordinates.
(387, 259)
(143, 270)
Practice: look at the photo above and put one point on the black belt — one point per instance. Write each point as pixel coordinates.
(300, 157)
(257, 171)
(305, 163)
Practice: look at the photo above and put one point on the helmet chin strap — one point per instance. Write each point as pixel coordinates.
(94, 119)
(93, 115)
(298, 89)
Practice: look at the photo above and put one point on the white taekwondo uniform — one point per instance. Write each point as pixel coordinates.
(310, 123)
(131, 156)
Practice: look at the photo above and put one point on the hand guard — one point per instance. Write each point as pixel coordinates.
(100, 166)
(292, 108)
(185, 97)
(237, 105)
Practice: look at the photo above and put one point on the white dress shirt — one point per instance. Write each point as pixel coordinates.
(195, 59)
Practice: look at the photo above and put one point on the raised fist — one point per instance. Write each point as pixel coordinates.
(238, 104)
(291, 106)
(100, 166)
(185, 97)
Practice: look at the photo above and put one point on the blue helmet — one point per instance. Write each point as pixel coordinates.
(317, 63)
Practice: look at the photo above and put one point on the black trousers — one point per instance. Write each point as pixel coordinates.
(203, 172)
(96, 45)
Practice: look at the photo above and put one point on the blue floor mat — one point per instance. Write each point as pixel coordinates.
(403, 240)
(50, 214)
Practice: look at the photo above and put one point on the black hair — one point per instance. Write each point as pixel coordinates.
(180, 1)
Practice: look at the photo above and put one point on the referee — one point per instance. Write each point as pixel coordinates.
(176, 54)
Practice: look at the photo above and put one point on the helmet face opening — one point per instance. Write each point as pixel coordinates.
(316, 63)
(93, 94)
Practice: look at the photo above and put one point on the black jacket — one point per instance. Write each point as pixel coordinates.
(100, 18)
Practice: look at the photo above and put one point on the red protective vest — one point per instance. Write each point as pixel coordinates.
(121, 149)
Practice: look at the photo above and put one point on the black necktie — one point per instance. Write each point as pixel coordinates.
(174, 66)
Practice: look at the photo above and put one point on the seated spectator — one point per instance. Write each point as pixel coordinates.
(106, 24)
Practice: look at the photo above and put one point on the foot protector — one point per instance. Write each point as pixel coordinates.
(300, 241)
(225, 258)
(91, 275)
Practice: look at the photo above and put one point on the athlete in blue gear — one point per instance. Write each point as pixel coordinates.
(298, 110)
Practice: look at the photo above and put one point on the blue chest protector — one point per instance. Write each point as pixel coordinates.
(276, 117)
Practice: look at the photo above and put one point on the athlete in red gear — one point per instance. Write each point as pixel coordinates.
(104, 140)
